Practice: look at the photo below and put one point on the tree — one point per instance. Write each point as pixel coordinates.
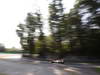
(93, 24)
(26, 33)
(83, 23)
(56, 24)
(2, 48)
(21, 31)
(41, 37)
(31, 22)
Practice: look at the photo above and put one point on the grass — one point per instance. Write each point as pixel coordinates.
(2, 74)
(11, 52)
(97, 69)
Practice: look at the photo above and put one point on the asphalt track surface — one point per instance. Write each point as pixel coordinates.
(15, 65)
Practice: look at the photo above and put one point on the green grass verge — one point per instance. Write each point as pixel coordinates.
(11, 52)
(2, 74)
(97, 69)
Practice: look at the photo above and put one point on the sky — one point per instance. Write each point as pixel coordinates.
(14, 12)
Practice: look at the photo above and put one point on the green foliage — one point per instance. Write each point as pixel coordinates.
(26, 33)
(82, 27)
(37, 46)
(77, 32)
(56, 24)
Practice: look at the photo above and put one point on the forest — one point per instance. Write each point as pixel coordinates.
(75, 33)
